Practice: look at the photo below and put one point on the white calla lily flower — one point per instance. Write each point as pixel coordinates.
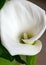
(19, 17)
(45, 18)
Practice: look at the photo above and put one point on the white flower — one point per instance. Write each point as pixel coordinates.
(45, 20)
(19, 17)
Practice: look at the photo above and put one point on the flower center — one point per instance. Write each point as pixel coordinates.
(25, 36)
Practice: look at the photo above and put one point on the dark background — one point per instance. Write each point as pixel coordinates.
(41, 60)
(41, 3)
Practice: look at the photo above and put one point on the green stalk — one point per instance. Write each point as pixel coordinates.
(31, 60)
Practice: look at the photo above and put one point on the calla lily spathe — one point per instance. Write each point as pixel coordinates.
(18, 17)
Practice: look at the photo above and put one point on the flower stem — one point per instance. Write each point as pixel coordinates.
(31, 60)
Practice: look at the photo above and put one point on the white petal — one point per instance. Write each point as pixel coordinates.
(19, 17)
(39, 19)
(45, 21)
(21, 49)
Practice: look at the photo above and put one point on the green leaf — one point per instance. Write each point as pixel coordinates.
(2, 2)
(18, 58)
(5, 54)
(7, 62)
(31, 60)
